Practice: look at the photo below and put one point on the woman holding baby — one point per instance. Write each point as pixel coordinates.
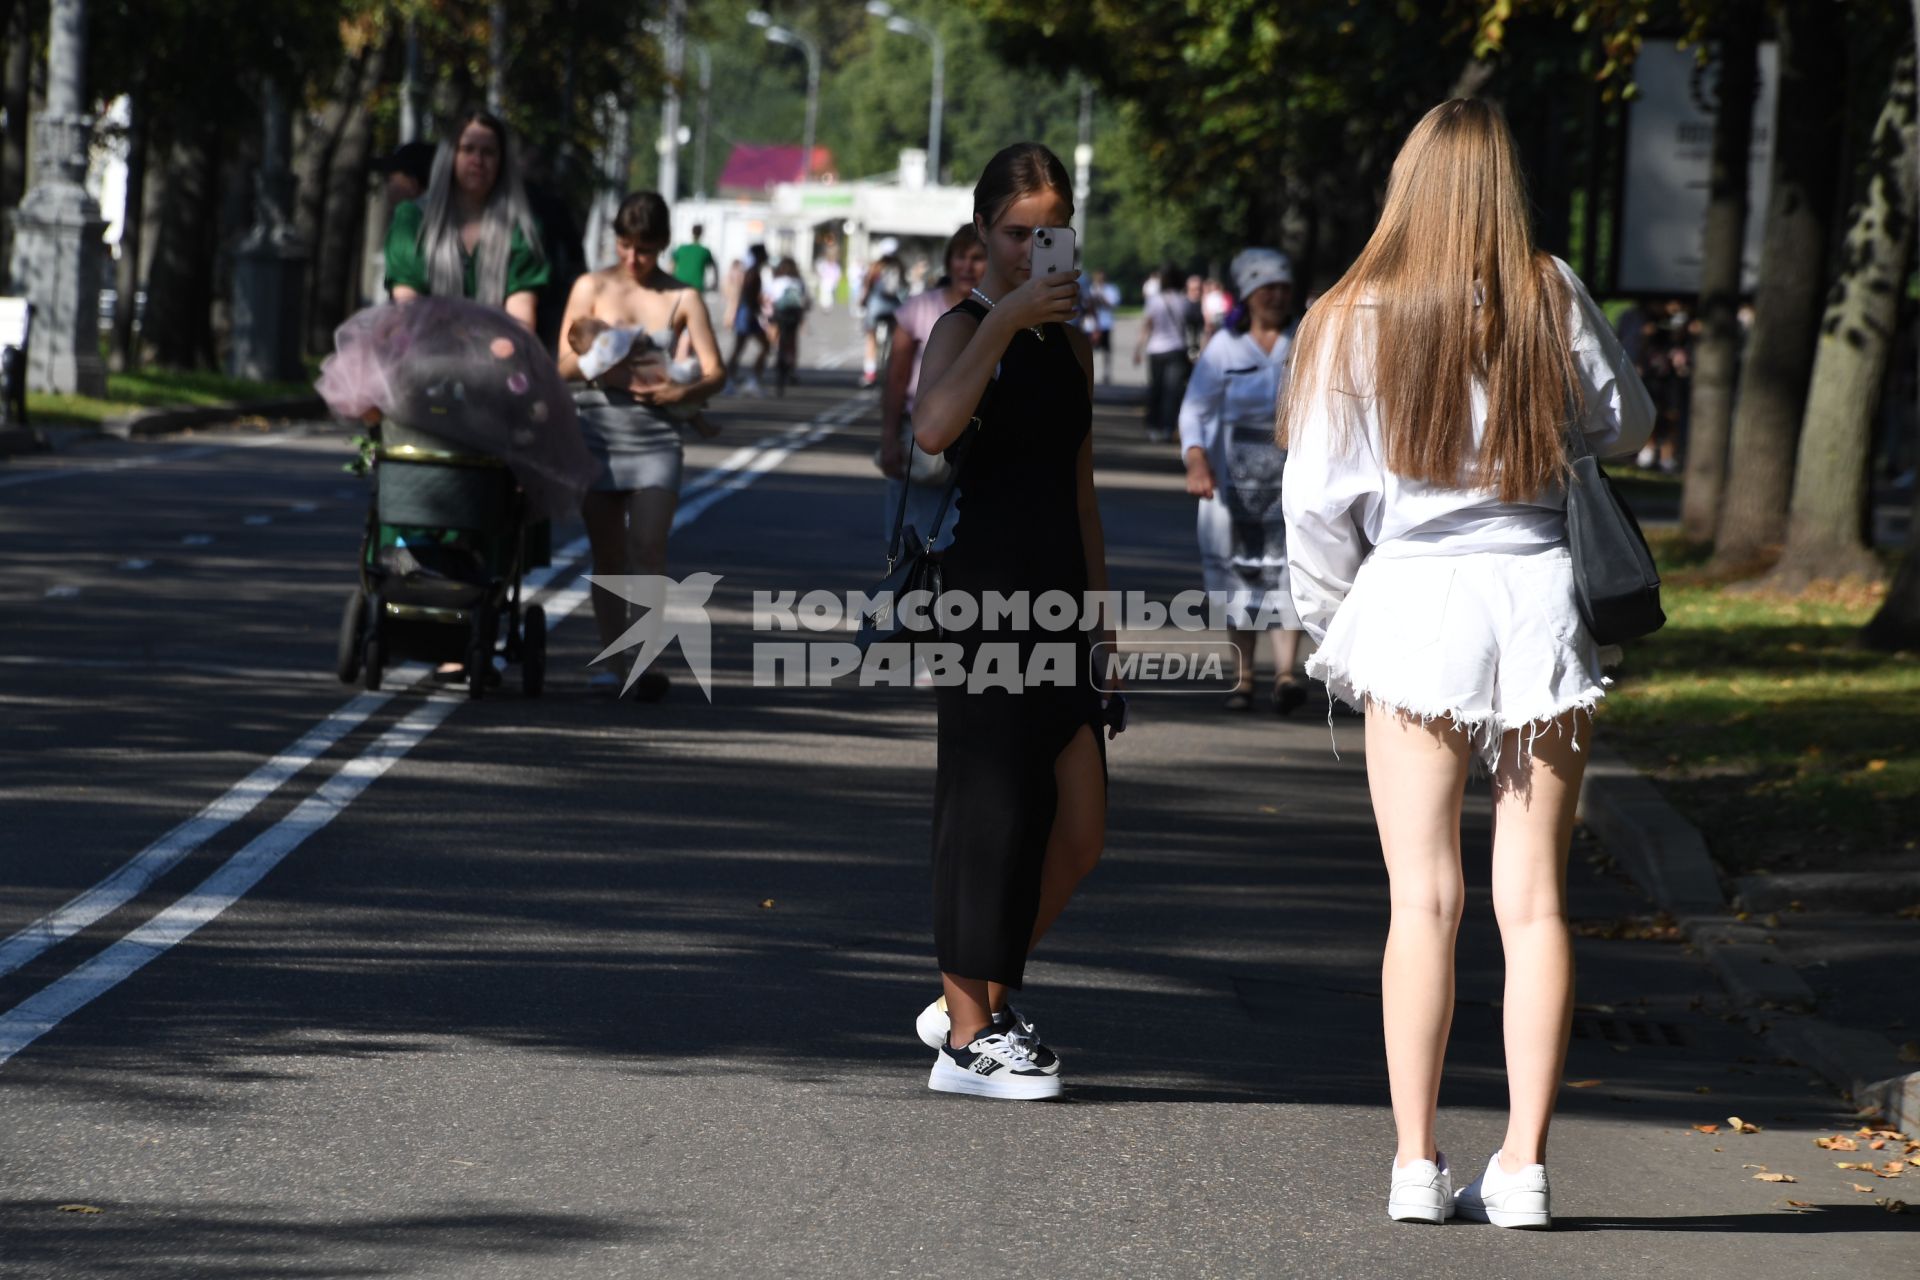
(622, 326)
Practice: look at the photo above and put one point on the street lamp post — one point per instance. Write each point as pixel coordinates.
(793, 39)
(900, 24)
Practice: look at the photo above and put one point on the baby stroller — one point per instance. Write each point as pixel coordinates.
(474, 449)
(446, 543)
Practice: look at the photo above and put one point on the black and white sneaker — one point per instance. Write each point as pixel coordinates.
(1021, 1032)
(933, 1026)
(993, 1066)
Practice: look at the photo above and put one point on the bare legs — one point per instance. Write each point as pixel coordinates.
(627, 531)
(1074, 844)
(1286, 655)
(1533, 810)
(1417, 775)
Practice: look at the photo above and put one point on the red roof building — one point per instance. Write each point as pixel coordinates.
(754, 170)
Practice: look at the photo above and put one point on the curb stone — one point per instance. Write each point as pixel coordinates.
(1667, 857)
(157, 422)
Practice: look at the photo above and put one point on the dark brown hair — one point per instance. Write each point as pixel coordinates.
(1018, 171)
(967, 237)
(643, 219)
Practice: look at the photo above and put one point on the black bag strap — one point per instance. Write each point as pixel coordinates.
(974, 424)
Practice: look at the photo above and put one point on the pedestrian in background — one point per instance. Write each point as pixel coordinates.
(746, 294)
(1425, 503)
(1097, 306)
(693, 263)
(1163, 345)
(628, 420)
(1020, 795)
(925, 474)
(1234, 468)
(473, 235)
(882, 290)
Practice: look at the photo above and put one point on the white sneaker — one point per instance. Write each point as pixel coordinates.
(933, 1026)
(1422, 1191)
(993, 1066)
(1508, 1199)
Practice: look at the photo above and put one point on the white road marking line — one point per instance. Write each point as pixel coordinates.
(136, 564)
(132, 877)
(258, 519)
(62, 592)
(46, 1008)
(41, 1012)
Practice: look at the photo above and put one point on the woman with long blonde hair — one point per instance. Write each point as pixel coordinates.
(1426, 424)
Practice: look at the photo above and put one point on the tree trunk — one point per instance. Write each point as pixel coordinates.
(180, 278)
(335, 277)
(335, 273)
(126, 285)
(1716, 354)
(1808, 118)
(313, 150)
(1830, 490)
(1896, 625)
(18, 70)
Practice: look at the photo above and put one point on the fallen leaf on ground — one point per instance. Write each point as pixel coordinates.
(1741, 1126)
(1753, 1166)
(81, 1208)
(1891, 1205)
(1838, 1142)
(1857, 1187)
(1865, 1166)
(1775, 1177)
(1706, 1128)
(765, 903)
(1800, 1204)
(1891, 1169)
(1583, 1084)
(1878, 1144)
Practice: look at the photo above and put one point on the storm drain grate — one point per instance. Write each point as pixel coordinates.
(1630, 1031)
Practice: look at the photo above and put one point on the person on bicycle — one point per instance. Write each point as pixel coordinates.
(787, 296)
(881, 293)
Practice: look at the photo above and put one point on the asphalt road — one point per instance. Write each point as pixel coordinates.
(568, 988)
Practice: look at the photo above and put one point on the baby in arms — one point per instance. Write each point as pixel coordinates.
(602, 348)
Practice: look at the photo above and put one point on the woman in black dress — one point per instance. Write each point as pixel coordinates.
(1020, 800)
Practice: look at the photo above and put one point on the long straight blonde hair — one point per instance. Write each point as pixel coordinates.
(1450, 291)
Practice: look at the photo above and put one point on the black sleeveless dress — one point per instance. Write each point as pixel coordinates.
(1018, 530)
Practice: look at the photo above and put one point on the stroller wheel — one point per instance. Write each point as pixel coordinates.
(373, 662)
(353, 624)
(533, 651)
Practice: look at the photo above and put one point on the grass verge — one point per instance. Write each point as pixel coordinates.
(1759, 719)
(153, 389)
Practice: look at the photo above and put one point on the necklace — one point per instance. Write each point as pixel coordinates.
(988, 303)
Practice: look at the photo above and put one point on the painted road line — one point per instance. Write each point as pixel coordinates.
(39, 1013)
(132, 877)
(46, 1008)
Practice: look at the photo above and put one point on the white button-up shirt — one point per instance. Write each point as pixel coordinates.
(1234, 384)
(1345, 505)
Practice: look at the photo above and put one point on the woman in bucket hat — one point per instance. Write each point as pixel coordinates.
(1234, 469)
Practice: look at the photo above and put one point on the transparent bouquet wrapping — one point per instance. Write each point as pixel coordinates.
(470, 376)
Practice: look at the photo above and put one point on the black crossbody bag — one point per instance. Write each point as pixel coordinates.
(912, 563)
(1615, 583)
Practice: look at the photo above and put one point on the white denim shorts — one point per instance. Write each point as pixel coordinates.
(1491, 641)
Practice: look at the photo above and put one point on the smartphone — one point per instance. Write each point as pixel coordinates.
(1053, 250)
